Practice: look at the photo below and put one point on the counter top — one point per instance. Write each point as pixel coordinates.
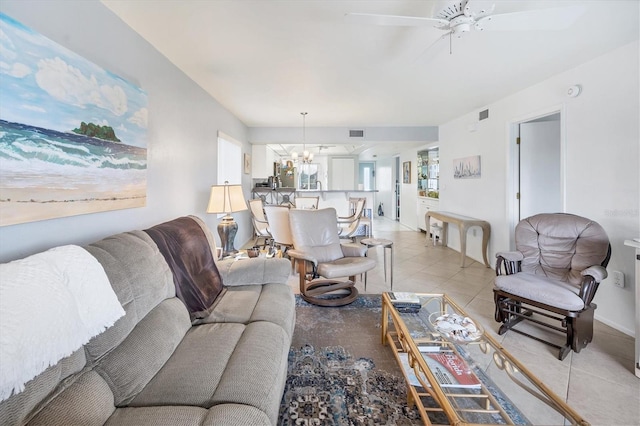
(336, 190)
(287, 189)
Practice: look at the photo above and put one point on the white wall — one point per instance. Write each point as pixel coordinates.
(601, 137)
(385, 184)
(182, 133)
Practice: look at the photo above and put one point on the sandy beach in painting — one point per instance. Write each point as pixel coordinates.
(46, 174)
(18, 206)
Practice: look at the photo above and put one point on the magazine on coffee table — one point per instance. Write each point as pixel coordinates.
(403, 297)
(449, 369)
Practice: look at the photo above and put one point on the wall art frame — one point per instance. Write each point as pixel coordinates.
(467, 167)
(406, 172)
(73, 136)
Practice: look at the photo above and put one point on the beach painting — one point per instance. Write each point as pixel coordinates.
(467, 167)
(73, 136)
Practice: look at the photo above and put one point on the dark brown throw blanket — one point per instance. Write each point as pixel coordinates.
(184, 246)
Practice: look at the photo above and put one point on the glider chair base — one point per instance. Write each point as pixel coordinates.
(326, 292)
(577, 326)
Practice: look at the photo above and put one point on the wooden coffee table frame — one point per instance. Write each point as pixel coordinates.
(400, 341)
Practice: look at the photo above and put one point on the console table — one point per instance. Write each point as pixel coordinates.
(463, 223)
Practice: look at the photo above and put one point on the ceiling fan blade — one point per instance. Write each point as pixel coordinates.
(434, 48)
(553, 19)
(394, 20)
(477, 9)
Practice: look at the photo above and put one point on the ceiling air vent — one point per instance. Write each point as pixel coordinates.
(356, 133)
(484, 114)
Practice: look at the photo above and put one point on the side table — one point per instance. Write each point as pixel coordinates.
(386, 244)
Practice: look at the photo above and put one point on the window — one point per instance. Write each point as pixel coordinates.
(229, 160)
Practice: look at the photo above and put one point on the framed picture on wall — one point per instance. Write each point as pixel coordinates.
(406, 172)
(247, 163)
(467, 168)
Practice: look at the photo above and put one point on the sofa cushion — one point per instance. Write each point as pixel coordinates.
(256, 373)
(140, 278)
(87, 401)
(192, 374)
(236, 414)
(130, 366)
(154, 416)
(244, 304)
(17, 408)
(186, 249)
(224, 414)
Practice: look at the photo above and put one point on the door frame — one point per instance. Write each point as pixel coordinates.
(513, 164)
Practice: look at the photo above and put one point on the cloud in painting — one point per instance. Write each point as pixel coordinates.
(68, 84)
(17, 70)
(140, 118)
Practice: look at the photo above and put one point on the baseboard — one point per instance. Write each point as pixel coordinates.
(616, 326)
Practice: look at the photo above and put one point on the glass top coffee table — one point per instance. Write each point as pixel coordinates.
(457, 373)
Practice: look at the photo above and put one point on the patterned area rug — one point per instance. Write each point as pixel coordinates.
(339, 372)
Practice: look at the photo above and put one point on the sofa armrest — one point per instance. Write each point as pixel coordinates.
(353, 250)
(254, 271)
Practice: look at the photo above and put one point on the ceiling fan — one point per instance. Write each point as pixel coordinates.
(458, 17)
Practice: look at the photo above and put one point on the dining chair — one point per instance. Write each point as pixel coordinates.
(259, 221)
(306, 202)
(348, 225)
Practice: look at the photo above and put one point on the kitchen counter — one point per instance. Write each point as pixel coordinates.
(336, 198)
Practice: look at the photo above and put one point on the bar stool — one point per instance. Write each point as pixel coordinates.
(386, 244)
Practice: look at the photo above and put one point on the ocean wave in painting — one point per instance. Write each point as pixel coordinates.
(35, 157)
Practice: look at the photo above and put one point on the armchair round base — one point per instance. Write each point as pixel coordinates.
(325, 292)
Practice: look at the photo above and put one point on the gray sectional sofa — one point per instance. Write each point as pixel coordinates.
(154, 366)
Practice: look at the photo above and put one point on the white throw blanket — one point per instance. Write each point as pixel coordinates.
(51, 304)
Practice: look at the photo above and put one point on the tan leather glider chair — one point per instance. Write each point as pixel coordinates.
(321, 258)
(552, 277)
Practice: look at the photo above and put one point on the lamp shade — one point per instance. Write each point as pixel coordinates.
(226, 199)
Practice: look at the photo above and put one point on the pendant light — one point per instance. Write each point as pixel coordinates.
(307, 157)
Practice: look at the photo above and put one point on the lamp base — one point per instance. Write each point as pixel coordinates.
(227, 229)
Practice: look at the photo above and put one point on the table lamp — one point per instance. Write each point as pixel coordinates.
(227, 199)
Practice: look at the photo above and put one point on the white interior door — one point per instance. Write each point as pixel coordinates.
(343, 173)
(540, 168)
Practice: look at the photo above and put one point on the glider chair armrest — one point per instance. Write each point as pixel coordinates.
(591, 278)
(300, 255)
(597, 272)
(508, 262)
(353, 250)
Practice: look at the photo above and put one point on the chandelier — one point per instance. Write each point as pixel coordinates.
(307, 157)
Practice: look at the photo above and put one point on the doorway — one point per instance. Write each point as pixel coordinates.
(366, 176)
(538, 167)
(396, 190)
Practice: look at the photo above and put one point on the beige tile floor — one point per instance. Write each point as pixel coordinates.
(598, 382)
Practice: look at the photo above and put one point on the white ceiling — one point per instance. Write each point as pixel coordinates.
(268, 60)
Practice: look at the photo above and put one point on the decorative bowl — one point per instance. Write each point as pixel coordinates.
(456, 327)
